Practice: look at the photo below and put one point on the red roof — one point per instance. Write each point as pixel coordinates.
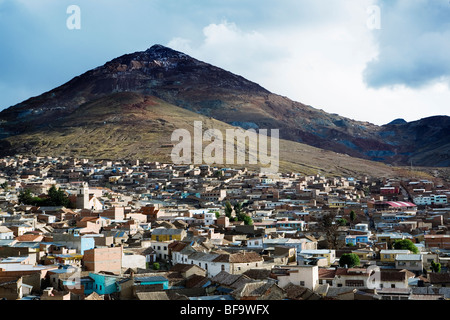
(398, 204)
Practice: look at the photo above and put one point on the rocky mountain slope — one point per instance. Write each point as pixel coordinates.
(109, 107)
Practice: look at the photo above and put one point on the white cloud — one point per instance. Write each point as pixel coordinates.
(321, 66)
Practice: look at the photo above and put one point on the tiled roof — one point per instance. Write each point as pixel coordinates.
(327, 273)
(230, 280)
(351, 272)
(180, 267)
(439, 277)
(196, 281)
(241, 257)
(258, 274)
(393, 276)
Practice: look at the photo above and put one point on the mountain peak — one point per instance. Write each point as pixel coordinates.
(397, 121)
(159, 51)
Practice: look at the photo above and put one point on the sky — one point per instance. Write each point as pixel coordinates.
(368, 60)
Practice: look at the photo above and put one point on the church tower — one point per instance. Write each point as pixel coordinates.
(83, 196)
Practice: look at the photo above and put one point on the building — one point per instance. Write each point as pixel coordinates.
(411, 262)
(304, 276)
(215, 195)
(440, 241)
(103, 259)
(320, 257)
(431, 200)
(165, 234)
(235, 263)
(395, 206)
(389, 256)
(353, 277)
(6, 233)
(161, 249)
(72, 241)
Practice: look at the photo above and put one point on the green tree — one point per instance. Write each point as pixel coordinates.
(435, 267)
(228, 209)
(247, 219)
(352, 216)
(25, 197)
(238, 208)
(405, 244)
(342, 222)
(349, 259)
(156, 266)
(54, 197)
(57, 197)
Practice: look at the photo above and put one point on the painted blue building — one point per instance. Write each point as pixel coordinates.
(354, 239)
(154, 280)
(104, 283)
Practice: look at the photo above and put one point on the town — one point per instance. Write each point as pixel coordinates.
(80, 229)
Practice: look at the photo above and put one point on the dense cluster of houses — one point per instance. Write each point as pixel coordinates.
(156, 231)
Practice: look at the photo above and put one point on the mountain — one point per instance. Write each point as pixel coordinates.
(148, 94)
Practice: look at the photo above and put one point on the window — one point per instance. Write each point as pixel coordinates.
(354, 283)
(302, 283)
(223, 268)
(393, 285)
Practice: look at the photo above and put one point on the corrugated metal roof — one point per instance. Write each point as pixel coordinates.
(151, 279)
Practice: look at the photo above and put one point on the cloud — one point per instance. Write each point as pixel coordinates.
(413, 45)
(227, 46)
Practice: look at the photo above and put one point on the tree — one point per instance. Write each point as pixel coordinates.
(342, 222)
(156, 266)
(247, 219)
(238, 208)
(405, 244)
(330, 227)
(240, 215)
(352, 216)
(349, 260)
(54, 197)
(228, 209)
(435, 267)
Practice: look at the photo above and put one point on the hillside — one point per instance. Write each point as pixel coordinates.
(130, 106)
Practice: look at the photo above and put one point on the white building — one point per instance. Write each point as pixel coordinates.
(411, 262)
(305, 276)
(6, 233)
(214, 263)
(430, 200)
(161, 248)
